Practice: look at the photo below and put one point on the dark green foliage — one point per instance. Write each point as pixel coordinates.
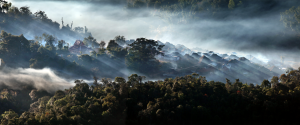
(50, 40)
(120, 40)
(116, 50)
(266, 83)
(14, 45)
(141, 56)
(91, 41)
(178, 101)
(14, 49)
(112, 44)
(182, 100)
(61, 44)
(17, 20)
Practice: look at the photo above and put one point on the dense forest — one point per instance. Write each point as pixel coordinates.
(52, 47)
(182, 98)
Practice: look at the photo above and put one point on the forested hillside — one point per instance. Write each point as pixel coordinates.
(184, 100)
(126, 89)
(23, 21)
(53, 47)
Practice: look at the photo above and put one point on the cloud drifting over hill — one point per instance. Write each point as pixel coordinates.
(41, 79)
(258, 35)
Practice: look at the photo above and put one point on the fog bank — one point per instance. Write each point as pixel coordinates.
(257, 36)
(41, 79)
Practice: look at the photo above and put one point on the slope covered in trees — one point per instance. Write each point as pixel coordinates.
(22, 21)
(184, 100)
(105, 61)
(190, 99)
(138, 57)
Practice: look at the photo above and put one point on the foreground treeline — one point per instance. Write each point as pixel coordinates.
(184, 100)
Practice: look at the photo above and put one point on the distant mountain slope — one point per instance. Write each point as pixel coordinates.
(221, 65)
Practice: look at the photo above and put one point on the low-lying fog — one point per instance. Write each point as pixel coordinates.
(41, 79)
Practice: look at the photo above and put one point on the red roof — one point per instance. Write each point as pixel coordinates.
(78, 43)
(79, 46)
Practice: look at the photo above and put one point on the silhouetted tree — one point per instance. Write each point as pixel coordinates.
(141, 55)
(61, 44)
(102, 44)
(50, 39)
(120, 40)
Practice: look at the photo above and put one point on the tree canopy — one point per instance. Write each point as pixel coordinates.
(141, 55)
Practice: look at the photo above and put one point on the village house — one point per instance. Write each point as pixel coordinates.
(80, 48)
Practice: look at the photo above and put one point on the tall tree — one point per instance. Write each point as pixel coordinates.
(78, 29)
(120, 40)
(25, 10)
(101, 50)
(14, 45)
(120, 80)
(266, 83)
(102, 44)
(228, 85)
(141, 55)
(116, 50)
(95, 83)
(5, 6)
(112, 44)
(133, 79)
(91, 41)
(34, 47)
(50, 39)
(41, 15)
(106, 81)
(61, 44)
(38, 38)
(274, 81)
(14, 11)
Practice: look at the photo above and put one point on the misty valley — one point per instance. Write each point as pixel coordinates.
(149, 62)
